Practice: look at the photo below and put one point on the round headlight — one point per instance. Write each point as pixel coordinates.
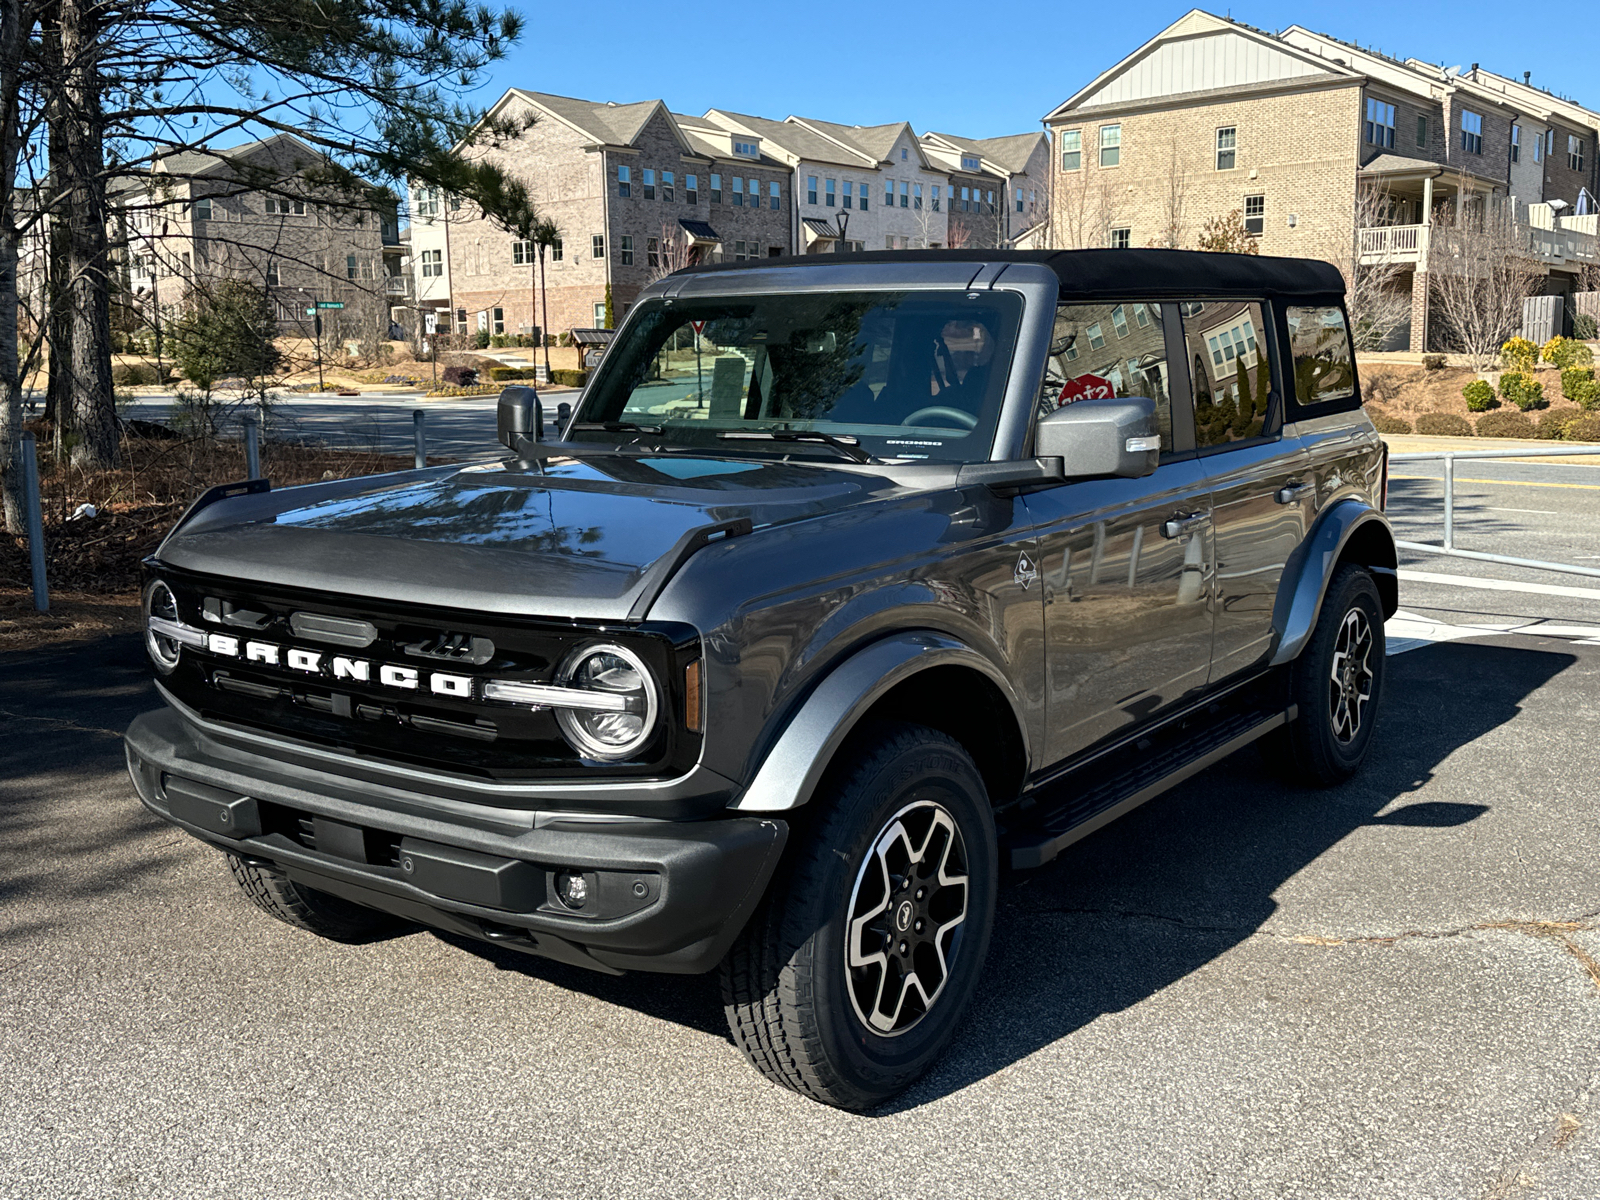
(609, 734)
(160, 602)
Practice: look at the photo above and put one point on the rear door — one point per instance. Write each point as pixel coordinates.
(1261, 486)
(1125, 563)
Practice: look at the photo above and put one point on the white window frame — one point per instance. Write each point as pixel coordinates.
(1377, 129)
(597, 246)
(1227, 147)
(1122, 238)
(1111, 145)
(1471, 131)
(1072, 148)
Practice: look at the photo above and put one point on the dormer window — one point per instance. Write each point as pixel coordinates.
(747, 149)
(971, 163)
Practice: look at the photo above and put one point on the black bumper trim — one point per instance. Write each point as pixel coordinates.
(691, 884)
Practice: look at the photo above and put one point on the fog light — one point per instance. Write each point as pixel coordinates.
(573, 889)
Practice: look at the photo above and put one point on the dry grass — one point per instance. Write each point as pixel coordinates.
(1408, 392)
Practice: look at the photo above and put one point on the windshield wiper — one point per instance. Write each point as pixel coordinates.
(619, 427)
(847, 446)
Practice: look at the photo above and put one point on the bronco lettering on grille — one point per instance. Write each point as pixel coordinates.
(340, 667)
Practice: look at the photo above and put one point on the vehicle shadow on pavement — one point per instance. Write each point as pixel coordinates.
(1189, 876)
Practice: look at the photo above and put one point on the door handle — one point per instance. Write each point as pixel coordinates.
(1182, 523)
(1290, 492)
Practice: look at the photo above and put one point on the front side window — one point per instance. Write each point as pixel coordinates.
(774, 196)
(1471, 131)
(1516, 143)
(350, 266)
(555, 251)
(811, 189)
(597, 247)
(1019, 199)
(1110, 145)
(1422, 131)
(667, 185)
(1071, 149)
(1538, 147)
(497, 318)
(905, 195)
(716, 188)
(906, 375)
(624, 181)
(625, 249)
(652, 253)
(1080, 366)
(935, 200)
(1226, 150)
(1319, 345)
(1378, 128)
(849, 194)
(830, 196)
(736, 186)
(1230, 371)
(202, 209)
(916, 197)
(273, 279)
(888, 193)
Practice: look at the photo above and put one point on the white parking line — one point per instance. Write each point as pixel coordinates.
(1537, 512)
(1498, 585)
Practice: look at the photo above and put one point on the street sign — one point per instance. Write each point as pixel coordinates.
(330, 303)
(1086, 387)
(311, 312)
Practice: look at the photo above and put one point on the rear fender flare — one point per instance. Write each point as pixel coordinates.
(1306, 579)
(791, 770)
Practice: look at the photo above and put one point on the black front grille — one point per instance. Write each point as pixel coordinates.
(418, 726)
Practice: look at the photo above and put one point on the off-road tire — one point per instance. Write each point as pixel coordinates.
(1310, 750)
(787, 991)
(306, 908)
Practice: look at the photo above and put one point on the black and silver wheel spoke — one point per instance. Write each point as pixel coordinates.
(906, 914)
(1350, 678)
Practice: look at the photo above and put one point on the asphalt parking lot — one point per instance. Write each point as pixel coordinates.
(1390, 989)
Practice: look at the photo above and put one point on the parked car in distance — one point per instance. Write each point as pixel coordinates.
(848, 583)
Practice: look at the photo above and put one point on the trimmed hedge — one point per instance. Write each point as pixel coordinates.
(1433, 362)
(1565, 352)
(1504, 424)
(1479, 395)
(132, 375)
(1583, 429)
(569, 378)
(1437, 424)
(1392, 425)
(459, 376)
(469, 390)
(1553, 424)
(1519, 354)
(503, 374)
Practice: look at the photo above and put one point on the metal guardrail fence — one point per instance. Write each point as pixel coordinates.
(1448, 547)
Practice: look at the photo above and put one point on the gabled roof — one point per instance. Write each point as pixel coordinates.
(1200, 52)
(1010, 154)
(696, 129)
(206, 160)
(793, 137)
(876, 142)
(603, 123)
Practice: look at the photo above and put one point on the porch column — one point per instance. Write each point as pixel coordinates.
(1427, 200)
(1419, 308)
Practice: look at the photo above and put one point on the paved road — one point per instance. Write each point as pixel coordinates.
(1385, 990)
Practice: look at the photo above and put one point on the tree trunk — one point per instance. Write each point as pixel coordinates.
(13, 44)
(89, 394)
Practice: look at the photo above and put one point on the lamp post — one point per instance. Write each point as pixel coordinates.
(844, 228)
(316, 328)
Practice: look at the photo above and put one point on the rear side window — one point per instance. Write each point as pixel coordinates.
(1319, 344)
(1102, 350)
(1230, 371)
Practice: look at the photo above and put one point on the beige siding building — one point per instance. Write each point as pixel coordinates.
(1324, 149)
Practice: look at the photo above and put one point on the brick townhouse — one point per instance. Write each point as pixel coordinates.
(251, 212)
(623, 182)
(1211, 116)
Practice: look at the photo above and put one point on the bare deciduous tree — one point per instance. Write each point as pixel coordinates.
(674, 251)
(1373, 272)
(1174, 202)
(1480, 271)
(1082, 211)
(1227, 235)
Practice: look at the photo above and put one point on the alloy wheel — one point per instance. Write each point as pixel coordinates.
(907, 913)
(1351, 676)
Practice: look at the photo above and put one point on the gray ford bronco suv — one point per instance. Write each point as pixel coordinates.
(847, 583)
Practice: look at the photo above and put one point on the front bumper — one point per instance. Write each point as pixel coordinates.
(663, 895)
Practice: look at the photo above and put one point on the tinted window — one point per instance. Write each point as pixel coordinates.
(908, 374)
(1229, 370)
(1104, 350)
(1319, 345)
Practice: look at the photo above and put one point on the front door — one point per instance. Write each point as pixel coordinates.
(1125, 563)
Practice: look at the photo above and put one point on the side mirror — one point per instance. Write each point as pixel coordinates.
(519, 418)
(1102, 437)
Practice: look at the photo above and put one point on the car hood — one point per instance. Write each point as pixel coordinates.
(573, 537)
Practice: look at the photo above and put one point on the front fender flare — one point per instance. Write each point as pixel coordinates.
(789, 773)
(1305, 581)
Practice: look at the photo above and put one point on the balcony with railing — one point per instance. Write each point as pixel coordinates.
(1563, 247)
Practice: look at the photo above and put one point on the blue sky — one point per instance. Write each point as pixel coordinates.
(967, 68)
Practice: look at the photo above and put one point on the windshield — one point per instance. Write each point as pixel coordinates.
(909, 375)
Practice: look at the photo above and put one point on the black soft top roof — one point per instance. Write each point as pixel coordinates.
(1093, 274)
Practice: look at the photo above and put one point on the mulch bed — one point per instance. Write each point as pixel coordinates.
(92, 563)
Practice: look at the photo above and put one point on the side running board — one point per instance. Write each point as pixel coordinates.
(1093, 801)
